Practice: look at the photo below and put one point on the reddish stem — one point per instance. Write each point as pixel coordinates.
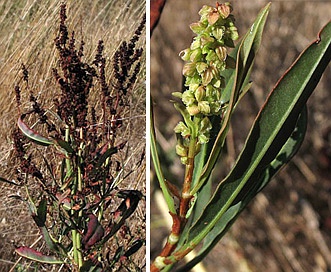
(156, 10)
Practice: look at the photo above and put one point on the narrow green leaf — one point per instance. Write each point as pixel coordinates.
(37, 256)
(271, 130)
(157, 166)
(109, 152)
(65, 146)
(40, 218)
(136, 245)
(31, 134)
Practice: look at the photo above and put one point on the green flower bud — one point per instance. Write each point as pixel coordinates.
(189, 69)
(193, 110)
(216, 83)
(182, 129)
(207, 76)
(203, 138)
(204, 107)
(177, 95)
(193, 87)
(185, 54)
(218, 33)
(196, 79)
(201, 67)
(200, 93)
(221, 53)
(211, 56)
(181, 150)
(183, 160)
(206, 40)
(195, 44)
(196, 55)
(224, 9)
(209, 90)
(205, 125)
(188, 98)
(198, 27)
(234, 33)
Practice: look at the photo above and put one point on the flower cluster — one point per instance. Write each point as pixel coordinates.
(206, 58)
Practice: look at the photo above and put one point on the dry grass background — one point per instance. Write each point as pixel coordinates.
(287, 227)
(27, 31)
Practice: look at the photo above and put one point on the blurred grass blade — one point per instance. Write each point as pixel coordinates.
(157, 166)
(37, 256)
(271, 130)
(31, 134)
(250, 190)
(245, 59)
(9, 182)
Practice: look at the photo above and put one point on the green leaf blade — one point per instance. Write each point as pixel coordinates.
(287, 152)
(31, 134)
(37, 256)
(271, 130)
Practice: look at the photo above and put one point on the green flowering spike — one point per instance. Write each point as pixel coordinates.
(205, 59)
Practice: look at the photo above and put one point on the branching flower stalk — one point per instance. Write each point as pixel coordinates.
(205, 59)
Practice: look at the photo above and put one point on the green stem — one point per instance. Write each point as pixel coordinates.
(76, 241)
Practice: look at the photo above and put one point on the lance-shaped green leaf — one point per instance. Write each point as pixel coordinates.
(37, 256)
(245, 59)
(136, 245)
(157, 166)
(271, 130)
(252, 187)
(31, 134)
(65, 147)
(39, 216)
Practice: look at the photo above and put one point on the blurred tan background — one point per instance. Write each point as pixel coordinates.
(288, 226)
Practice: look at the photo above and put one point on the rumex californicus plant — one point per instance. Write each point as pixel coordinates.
(81, 209)
(198, 214)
